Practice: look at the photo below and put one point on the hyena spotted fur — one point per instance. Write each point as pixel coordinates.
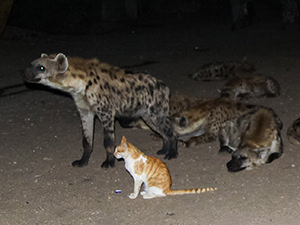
(222, 70)
(253, 139)
(108, 92)
(250, 86)
(177, 104)
(201, 123)
(293, 132)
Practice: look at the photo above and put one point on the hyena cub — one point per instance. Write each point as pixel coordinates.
(222, 70)
(108, 92)
(253, 139)
(250, 86)
(293, 132)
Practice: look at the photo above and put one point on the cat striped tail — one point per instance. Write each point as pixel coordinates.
(191, 191)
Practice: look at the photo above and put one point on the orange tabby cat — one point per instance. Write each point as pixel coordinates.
(151, 171)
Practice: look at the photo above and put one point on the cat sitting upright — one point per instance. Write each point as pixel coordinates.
(151, 171)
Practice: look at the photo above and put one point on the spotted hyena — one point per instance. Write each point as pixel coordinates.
(253, 139)
(250, 86)
(222, 70)
(108, 92)
(202, 122)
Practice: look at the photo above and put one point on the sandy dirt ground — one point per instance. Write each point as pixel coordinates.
(40, 132)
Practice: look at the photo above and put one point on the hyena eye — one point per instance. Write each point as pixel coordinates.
(42, 68)
(242, 157)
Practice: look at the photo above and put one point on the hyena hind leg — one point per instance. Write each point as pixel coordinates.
(163, 127)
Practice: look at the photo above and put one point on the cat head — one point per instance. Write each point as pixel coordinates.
(121, 150)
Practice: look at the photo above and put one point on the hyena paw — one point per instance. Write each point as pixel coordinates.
(171, 155)
(108, 163)
(132, 196)
(79, 163)
(162, 152)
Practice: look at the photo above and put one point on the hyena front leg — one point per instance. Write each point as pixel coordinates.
(107, 120)
(87, 120)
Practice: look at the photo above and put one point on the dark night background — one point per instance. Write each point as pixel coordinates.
(77, 16)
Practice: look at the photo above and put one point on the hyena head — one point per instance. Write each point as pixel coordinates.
(54, 71)
(247, 158)
(44, 70)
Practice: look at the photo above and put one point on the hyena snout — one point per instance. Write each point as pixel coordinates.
(29, 76)
(236, 164)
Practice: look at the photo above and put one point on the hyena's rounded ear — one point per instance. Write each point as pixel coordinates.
(62, 62)
(44, 55)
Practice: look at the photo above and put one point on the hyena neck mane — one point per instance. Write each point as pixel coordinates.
(151, 171)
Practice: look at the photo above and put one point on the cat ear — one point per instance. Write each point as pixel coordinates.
(124, 139)
(124, 143)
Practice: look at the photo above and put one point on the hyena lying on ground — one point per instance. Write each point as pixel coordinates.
(253, 139)
(293, 132)
(250, 86)
(201, 123)
(108, 92)
(222, 70)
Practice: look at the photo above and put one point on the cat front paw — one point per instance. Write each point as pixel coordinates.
(132, 196)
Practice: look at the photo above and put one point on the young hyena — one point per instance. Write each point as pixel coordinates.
(253, 139)
(250, 86)
(108, 92)
(222, 70)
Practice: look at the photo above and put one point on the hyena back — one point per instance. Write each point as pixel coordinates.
(108, 92)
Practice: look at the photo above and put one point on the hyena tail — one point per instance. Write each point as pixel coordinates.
(191, 191)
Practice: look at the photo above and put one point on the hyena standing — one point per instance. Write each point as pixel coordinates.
(108, 92)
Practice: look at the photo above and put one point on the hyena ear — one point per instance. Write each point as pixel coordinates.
(44, 55)
(62, 62)
(182, 121)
